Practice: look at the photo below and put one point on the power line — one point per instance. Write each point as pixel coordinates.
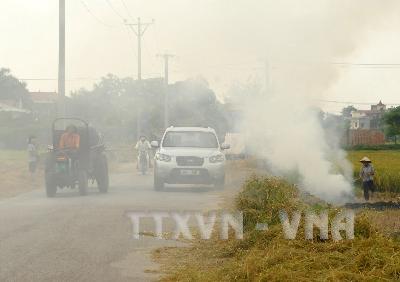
(343, 102)
(353, 103)
(84, 4)
(127, 9)
(54, 79)
(148, 75)
(115, 10)
(366, 64)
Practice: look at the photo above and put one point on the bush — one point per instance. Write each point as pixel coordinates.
(262, 198)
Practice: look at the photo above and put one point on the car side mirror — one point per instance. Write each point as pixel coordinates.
(225, 146)
(154, 144)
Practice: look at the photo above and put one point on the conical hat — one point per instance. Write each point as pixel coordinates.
(365, 159)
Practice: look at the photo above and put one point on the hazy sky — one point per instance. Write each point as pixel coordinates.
(222, 40)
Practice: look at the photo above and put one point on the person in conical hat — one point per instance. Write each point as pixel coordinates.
(365, 160)
(367, 173)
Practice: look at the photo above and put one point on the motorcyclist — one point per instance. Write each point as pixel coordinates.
(143, 146)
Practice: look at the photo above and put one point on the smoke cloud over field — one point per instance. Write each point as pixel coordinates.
(282, 124)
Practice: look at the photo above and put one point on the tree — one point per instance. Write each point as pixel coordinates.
(346, 112)
(114, 103)
(392, 122)
(13, 89)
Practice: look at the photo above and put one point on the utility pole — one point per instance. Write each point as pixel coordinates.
(166, 58)
(267, 77)
(61, 58)
(139, 29)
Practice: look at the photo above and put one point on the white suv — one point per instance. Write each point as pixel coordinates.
(189, 155)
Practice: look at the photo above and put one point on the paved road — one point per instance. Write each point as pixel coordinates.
(73, 238)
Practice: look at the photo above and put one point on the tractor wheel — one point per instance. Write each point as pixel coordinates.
(50, 182)
(101, 174)
(83, 183)
(51, 187)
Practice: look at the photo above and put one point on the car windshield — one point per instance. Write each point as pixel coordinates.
(195, 139)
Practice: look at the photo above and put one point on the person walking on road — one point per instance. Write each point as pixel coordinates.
(33, 155)
(367, 173)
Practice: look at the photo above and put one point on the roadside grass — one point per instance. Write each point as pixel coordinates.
(387, 166)
(12, 155)
(267, 256)
(16, 178)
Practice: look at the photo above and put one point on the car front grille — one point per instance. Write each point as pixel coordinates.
(189, 161)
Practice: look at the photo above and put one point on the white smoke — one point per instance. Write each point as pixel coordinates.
(286, 131)
(281, 124)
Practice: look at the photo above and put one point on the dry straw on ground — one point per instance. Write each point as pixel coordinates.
(267, 256)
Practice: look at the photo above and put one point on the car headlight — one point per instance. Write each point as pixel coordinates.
(217, 159)
(163, 157)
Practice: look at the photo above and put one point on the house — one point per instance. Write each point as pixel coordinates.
(366, 126)
(368, 119)
(12, 103)
(5, 106)
(44, 103)
(12, 108)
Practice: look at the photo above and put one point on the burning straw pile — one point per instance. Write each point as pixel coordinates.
(268, 256)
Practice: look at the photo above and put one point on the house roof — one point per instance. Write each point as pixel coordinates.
(8, 108)
(191, 128)
(9, 102)
(43, 97)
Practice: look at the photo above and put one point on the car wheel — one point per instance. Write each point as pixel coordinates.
(101, 174)
(51, 187)
(158, 182)
(83, 183)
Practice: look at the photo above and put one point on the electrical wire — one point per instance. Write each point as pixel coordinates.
(115, 10)
(85, 5)
(127, 9)
(367, 64)
(353, 103)
(55, 79)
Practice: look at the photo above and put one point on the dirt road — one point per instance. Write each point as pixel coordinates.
(73, 238)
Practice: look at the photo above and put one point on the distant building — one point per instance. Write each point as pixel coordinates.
(368, 119)
(6, 107)
(44, 103)
(366, 126)
(13, 108)
(12, 103)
